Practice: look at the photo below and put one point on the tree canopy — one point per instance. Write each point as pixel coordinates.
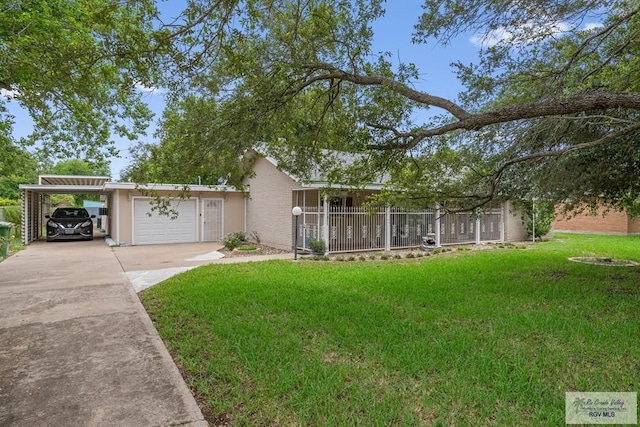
(74, 66)
(549, 108)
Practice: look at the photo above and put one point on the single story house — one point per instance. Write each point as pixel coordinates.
(336, 216)
(265, 210)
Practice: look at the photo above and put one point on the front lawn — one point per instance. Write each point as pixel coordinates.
(487, 337)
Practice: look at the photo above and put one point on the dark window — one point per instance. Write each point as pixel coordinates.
(70, 213)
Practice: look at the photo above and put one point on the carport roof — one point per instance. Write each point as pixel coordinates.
(72, 180)
(67, 184)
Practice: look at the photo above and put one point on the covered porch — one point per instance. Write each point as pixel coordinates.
(345, 225)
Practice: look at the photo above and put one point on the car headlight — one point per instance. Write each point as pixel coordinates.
(54, 224)
(87, 223)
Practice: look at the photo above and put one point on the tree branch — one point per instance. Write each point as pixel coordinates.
(333, 73)
(549, 107)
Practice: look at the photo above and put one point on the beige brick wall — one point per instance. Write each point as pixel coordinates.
(612, 223)
(515, 229)
(269, 205)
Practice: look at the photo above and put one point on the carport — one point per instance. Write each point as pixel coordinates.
(36, 198)
(203, 213)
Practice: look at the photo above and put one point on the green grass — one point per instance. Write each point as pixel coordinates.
(247, 248)
(491, 337)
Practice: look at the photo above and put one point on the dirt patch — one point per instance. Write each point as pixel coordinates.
(605, 261)
(620, 290)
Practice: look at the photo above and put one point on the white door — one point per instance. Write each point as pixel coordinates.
(152, 228)
(212, 220)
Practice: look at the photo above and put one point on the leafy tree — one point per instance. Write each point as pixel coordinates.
(191, 149)
(550, 106)
(540, 212)
(73, 65)
(80, 167)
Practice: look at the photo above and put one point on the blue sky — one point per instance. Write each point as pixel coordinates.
(392, 33)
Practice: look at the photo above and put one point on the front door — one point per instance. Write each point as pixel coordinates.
(212, 220)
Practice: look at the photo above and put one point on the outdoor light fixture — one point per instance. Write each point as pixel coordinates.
(296, 211)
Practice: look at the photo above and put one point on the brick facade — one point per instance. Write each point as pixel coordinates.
(269, 205)
(603, 222)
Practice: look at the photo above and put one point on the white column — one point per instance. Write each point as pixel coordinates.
(502, 223)
(477, 227)
(325, 221)
(438, 225)
(387, 228)
(25, 217)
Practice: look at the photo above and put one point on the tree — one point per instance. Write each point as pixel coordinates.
(80, 167)
(192, 150)
(74, 65)
(550, 107)
(539, 215)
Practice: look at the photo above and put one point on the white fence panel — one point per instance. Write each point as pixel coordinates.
(355, 229)
(352, 229)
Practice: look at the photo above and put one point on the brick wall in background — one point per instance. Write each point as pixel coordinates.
(611, 222)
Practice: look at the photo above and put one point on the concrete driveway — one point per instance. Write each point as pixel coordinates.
(77, 347)
(147, 265)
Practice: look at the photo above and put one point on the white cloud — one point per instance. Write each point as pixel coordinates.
(147, 89)
(9, 94)
(518, 35)
(592, 26)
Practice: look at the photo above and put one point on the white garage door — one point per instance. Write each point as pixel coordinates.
(155, 229)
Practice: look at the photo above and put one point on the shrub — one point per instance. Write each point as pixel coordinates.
(317, 246)
(384, 256)
(545, 213)
(410, 255)
(362, 258)
(9, 202)
(339, 258)
(351, 258)
(233, 240)
(397, 256)
(372, 257)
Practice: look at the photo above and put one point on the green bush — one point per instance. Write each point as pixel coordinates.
(233, 240)
(13, 214)
(545, 214)
(317, 246)
(9, 202)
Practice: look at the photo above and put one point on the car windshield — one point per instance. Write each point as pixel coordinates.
(70, 213)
